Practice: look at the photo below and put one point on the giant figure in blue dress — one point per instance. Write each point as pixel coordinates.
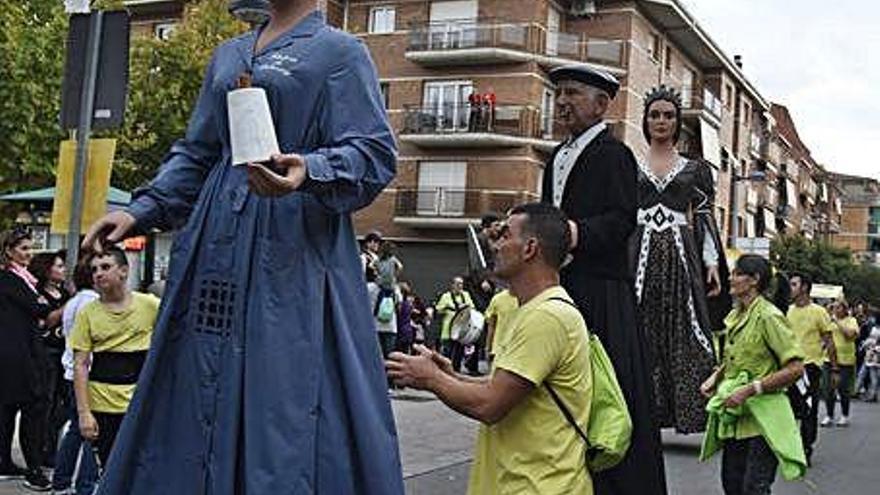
(263, 377)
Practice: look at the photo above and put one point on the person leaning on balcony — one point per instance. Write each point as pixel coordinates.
(592, 178)
(475, 111)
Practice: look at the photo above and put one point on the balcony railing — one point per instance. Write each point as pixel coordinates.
(701, 99)
(510, 120)
(454, 203)
(530, 40)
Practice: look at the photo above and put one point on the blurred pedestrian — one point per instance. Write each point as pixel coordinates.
(810, 323)
(110, 339)
(72, 450)
(23, 387)
(50, 272)
(448, 305)
(370, 252)
(839, 379)
(405, 327)
(869, 378)
(500, 312)
(750, 418)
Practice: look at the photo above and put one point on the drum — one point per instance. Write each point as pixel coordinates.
(467, 326)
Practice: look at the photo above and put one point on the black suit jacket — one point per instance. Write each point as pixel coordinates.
(600, 195)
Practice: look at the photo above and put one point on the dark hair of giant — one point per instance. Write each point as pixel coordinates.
(757, 267)
(116, 253)
(549, 226)
(670, 97)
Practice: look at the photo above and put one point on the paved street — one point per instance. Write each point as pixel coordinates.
(436, 447)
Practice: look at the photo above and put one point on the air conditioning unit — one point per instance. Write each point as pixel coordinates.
(581, 8)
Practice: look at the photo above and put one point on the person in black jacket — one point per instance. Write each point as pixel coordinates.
(592, 178)
(22, 357)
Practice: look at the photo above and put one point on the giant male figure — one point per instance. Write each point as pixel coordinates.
(592, 177)
(263, 375)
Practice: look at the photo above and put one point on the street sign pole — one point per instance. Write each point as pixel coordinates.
(83, 130)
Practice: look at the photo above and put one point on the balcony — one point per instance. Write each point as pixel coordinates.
(451, 208)
(701, 103)
(458, 125)
(755, 144)
(480, 42)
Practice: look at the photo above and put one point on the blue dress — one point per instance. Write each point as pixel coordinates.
(263, 376)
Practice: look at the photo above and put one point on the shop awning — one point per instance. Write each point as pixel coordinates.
(115, 197)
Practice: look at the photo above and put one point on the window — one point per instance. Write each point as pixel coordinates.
(728, 96)
(655, 47)
(442, 188)
(453, 24)
(547, 113)
(446, 103)
(382, 19)
(385, 88)
(668, 58)
(164, 30)
(721, 218)
(747, 114)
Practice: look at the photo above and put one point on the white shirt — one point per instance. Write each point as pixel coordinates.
(567, 157)
(68, 317)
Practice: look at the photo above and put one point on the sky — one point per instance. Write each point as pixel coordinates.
(821, 59)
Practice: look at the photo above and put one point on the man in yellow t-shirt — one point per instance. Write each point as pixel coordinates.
(110, 339)
(844, 332)
(525, 445)
(810, 324)
(501, 309)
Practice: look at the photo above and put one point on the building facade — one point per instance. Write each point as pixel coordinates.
(467, 91)
(860, 225)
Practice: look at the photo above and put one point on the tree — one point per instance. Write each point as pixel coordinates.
(165, 79)
(31, 34)
(827, 264)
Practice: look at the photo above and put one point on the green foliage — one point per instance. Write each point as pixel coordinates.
(828, 265)
(32, 37)
(165, 78)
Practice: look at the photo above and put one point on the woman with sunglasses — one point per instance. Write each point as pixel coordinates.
(23, 386)
(681, 268)
(750, 417)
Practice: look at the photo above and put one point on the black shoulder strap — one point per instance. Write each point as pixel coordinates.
(565, 412)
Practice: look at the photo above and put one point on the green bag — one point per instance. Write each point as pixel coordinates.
(610, 430)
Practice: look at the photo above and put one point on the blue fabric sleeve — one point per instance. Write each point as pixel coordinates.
(167, 201)
(359, 159)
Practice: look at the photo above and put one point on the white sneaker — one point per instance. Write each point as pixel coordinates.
(826, 422)
(843, 421)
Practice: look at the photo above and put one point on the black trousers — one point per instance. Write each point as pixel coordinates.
(454, 351)
(31, 433)
(748, 467)
(842, 390)
(810, 424)
(108, 428)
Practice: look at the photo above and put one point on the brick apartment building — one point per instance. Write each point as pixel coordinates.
(860, 226)
(454, 164)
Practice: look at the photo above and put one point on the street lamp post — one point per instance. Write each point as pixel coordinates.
(754, 176)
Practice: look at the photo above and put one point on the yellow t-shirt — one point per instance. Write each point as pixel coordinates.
(502, 306)
(534, 450)
(846, 349)
(809, 323)
(98, 330)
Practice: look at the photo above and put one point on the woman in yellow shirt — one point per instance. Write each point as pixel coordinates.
(838, 379)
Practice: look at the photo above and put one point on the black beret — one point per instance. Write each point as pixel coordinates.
(586, 75)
